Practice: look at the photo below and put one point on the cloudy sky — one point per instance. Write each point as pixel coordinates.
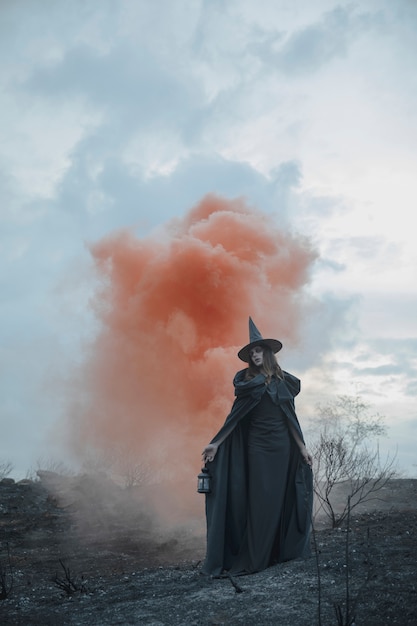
(125, 113)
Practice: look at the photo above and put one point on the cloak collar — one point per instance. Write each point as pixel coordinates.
(283, 389)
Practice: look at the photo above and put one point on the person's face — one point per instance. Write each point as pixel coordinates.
(257, 355)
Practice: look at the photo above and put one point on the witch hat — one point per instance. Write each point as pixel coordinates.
(256, 339)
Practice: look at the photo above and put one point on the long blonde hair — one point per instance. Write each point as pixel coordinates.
(269, 367)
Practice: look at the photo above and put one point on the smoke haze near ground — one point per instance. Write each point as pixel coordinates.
(173, 311)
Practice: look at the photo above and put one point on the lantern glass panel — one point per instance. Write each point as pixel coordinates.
(204, 481)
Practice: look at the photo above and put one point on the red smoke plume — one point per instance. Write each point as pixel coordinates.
(174, 311)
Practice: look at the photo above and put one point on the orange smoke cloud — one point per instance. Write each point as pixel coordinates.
(174, 310)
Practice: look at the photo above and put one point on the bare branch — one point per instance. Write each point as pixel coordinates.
(5, 468)
(343, 455)
(6, 576)
(68, 583)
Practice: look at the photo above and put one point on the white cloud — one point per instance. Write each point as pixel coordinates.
(37, 141)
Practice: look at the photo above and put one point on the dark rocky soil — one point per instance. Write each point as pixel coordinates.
(123, 572)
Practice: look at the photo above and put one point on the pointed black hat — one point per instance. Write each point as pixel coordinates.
(256, 339)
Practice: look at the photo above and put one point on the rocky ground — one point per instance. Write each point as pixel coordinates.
(57, 568)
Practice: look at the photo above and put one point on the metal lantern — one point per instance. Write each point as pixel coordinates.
(204, 481)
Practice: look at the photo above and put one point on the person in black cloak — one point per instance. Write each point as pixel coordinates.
(260, 505)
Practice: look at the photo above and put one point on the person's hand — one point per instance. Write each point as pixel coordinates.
(209, 452)
(306, 456)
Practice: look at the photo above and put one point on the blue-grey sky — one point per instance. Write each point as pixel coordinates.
(124, 113)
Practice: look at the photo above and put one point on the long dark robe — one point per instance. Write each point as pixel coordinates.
(259, 510)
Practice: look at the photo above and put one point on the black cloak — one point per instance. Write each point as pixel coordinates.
(226, 505)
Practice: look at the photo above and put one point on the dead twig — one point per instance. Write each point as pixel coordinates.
(68, 583)
(317, 559)
(6, 576)
(350, 607)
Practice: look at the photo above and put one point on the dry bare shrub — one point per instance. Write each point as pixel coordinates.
(69, 583)
(48, 465)
(122, 465)
(346, 451)
(5, 468)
